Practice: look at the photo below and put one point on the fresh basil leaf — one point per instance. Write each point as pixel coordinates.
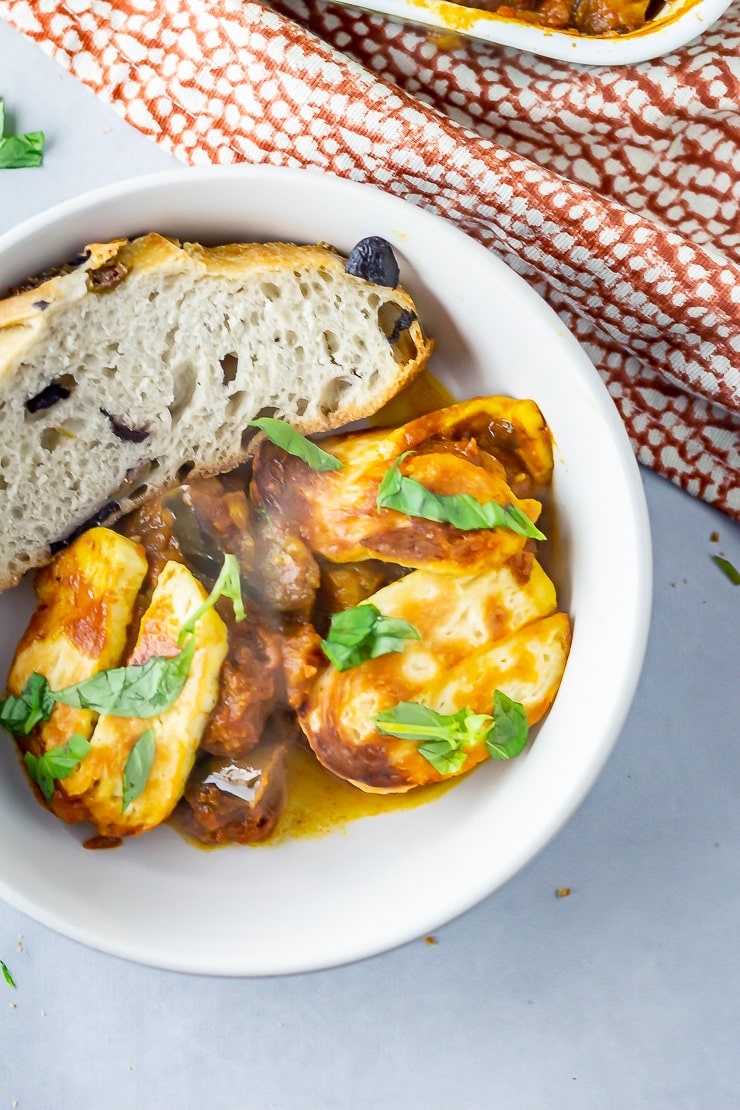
(727, 569)
(508, 736)
(6, 974)
(138, 766)
(443, 756)
(38, 771)
(56, 763)
(408, 496)
(22, 151)
(228, 584)
(36, 702)
(282, 435)
(363, 633)
(63, 760)
(410, 720)
(140, 690)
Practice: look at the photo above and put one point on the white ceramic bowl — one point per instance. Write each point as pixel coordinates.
(679, 23)
(308, 904)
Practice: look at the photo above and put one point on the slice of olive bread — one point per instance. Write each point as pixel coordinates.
(142, 362)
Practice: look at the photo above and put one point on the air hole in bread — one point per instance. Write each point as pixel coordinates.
(185, 378)
(109, 371)
(234, 402)
(3, 483)
(270, 290)
(229, 367)
(331, 344)
(267, 411)
(301, 405)
(332, 394)
(184, 471)
(50, 438)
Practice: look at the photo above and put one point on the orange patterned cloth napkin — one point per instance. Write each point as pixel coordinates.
(614, 191)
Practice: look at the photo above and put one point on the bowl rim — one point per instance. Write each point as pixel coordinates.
(668, 32)
(637, 529)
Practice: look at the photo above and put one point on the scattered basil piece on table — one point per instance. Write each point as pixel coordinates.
(727, 569)
(363, 633)
(138, 766)
(19, 151)
(408, 496)
(6, 974)
(282, 435)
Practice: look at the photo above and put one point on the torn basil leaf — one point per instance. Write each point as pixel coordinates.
(35, 703)
(363, 633)
(727, 569)
(228, 584)
(282, 435)
(508, 736)
(410, 720)
(56, 763)
(139, 690)
(19, 151)
(138, 767)
(408, 496)
(445, 738)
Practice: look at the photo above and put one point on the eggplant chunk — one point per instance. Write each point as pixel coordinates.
(236, 801)
(177, 730)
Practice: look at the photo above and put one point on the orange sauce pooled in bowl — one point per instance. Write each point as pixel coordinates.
(319, 803)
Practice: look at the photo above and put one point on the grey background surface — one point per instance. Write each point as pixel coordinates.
(623, 996)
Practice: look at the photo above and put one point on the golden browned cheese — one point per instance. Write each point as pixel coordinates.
(177, 730)
(86, 599)
(336, 514)
(478, 634)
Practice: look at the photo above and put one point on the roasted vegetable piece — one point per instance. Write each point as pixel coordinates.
(479, 634)
(236, 801)
(99, 780)
(86, 598)
(336, 513)
(249, 688)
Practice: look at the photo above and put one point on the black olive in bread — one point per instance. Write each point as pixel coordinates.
(142, 362)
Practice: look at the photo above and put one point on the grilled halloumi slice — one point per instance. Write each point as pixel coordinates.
(86, 599)
(479, 634)
(335, 512)
(177, 731)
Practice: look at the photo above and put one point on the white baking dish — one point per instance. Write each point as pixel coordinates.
(680, 22)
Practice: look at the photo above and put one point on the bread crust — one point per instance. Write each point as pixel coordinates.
(32, 318)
